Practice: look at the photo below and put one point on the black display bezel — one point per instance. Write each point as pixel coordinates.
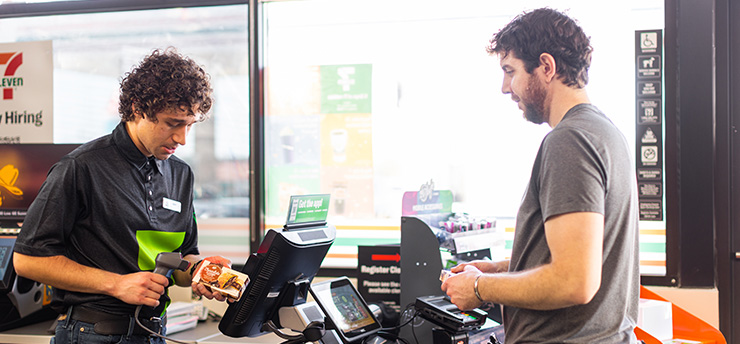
(352, 336)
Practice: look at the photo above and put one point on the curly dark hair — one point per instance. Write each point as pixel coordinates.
(162, 81)
(546, 31)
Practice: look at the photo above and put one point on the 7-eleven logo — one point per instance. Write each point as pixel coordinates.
(11, 61)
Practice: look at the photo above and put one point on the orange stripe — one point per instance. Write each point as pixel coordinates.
(4, 57)
(652, 232)
(652, 262)
(363, 228)
(342, 255)
(224, 226)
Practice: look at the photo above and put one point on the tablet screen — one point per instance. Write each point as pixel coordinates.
(345, 308)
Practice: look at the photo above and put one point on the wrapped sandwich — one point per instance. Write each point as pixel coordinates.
(221, 279)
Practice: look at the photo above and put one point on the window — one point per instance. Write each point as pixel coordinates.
(91, 53)
(366, 100)
(414, 98)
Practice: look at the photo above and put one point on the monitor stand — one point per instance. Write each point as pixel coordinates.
(298, 318)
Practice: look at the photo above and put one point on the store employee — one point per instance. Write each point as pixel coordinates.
(573, 276)
(110, 206)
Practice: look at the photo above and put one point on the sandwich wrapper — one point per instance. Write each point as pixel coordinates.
(218, 278)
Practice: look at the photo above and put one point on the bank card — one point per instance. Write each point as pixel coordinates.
(444, 275)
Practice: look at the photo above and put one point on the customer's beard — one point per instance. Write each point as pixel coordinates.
(534, 102)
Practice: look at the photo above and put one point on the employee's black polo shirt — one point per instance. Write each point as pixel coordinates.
(108, 206)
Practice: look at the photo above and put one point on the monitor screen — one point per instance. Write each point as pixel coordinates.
(23, 168)
(345, 309)
(280, 274)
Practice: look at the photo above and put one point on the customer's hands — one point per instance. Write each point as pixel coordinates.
(486, 266)
(459, 287)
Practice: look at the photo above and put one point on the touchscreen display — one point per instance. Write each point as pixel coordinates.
(345, 307)
(349, 310)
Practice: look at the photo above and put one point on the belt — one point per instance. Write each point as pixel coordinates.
(110, 324)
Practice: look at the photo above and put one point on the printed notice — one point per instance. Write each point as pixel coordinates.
(650, 189)
(649, 174)
(649, 111)
(651, 210)
(648, 66)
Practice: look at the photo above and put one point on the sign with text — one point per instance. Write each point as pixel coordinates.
(379, 274)
(26, 92)
(308, 209)
(346, 88)
(426, 201)
(649, 122)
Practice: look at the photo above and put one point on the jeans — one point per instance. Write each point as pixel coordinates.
(69, 331)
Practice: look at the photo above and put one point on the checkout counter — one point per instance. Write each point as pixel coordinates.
(206, 332)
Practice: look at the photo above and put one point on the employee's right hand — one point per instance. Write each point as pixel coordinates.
(140, 288)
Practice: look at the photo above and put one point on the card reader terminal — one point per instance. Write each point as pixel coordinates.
(439, 310)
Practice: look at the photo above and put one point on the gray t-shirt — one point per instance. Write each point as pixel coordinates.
(583, 165)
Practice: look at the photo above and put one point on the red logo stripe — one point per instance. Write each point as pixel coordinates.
(14, 64)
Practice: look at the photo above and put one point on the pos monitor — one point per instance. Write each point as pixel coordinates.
(281, 271)
(23, 168)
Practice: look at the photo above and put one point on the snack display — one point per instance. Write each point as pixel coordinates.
(221, 279)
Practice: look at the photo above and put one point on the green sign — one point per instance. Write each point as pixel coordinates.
(346, 88)
(308, 209)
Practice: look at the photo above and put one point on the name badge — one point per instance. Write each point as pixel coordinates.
(171, 204)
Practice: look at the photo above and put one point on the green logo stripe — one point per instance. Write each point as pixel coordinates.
(364, 241)
(151, 243)
(646, 247)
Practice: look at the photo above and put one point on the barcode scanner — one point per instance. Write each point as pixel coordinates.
(164, 264)
(168, 261)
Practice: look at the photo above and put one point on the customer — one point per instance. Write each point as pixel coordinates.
(109, 207)
(573, 275)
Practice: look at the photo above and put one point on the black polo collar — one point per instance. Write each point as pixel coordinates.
(132, 153)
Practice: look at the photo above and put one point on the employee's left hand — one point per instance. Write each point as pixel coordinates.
(459, 287)
(201, 290)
